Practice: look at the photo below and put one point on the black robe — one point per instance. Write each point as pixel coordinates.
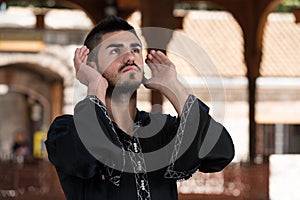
(96, 160)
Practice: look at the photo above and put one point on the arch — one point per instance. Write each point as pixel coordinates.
(41, 63)
(28, 104)
(263, 19)
(35, 96)
(45, 73)
(38, 83)
(92, 8)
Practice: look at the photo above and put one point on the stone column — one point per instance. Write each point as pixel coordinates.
(56, 99)
(157, 14)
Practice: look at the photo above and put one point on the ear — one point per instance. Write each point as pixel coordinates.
(93, 65)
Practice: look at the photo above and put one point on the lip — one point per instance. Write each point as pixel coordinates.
(129, 68)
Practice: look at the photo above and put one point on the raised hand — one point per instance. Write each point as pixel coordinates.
(163, 71)
(88, 75)
(164, 79)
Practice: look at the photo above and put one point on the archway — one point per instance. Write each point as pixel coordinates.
(30, 97)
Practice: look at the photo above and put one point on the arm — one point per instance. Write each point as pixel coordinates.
(86, 143)
(164, 79)
(65, 150)
(72, 141)
(202, 143)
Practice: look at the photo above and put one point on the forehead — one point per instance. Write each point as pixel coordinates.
(119, 37)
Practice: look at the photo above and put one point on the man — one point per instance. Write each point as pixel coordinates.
(109, 149)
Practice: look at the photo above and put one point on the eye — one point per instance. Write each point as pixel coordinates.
(136, 50)
(115, 51)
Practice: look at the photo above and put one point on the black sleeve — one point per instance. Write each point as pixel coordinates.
(201, 143)
(66, 151)
(78, 145)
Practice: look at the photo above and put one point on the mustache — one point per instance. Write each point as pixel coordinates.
(129, 64)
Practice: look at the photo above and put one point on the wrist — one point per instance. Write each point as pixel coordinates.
(95, 90)
(173, 87)
(177, 95)
(92, 88)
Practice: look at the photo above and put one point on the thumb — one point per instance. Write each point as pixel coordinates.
(146, 82)
(151, 83)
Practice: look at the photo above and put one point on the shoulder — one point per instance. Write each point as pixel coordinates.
(61, 123)
(64, 117)
(63, 120)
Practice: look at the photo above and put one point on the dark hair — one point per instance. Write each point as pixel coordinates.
(108, 25)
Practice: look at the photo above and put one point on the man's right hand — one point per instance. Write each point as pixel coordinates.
(88, 75)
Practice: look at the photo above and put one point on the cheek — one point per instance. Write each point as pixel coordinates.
(104, 61)
(110, 72)
(140, 60)
(108, 66)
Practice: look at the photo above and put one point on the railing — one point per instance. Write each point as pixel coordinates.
(29, 181)
(235, 182)
(38, 180)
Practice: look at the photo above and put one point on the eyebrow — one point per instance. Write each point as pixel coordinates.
(122, 45)
(135, 45)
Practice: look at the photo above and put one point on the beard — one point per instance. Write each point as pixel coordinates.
(128, 86)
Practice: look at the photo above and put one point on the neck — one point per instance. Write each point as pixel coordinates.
(122, 109)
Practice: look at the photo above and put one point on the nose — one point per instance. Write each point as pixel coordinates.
(128, 57)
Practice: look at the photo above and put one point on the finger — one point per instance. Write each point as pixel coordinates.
(82, 52)
(152, 62)
(80, 57)
(77, 60)
(86, 52)
(157, 58)
(152, 66)
(163, 58)
(151, 56)
(78, 54)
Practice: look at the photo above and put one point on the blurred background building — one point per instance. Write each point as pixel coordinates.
(239, 57)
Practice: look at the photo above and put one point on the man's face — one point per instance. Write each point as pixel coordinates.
(120, 59)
